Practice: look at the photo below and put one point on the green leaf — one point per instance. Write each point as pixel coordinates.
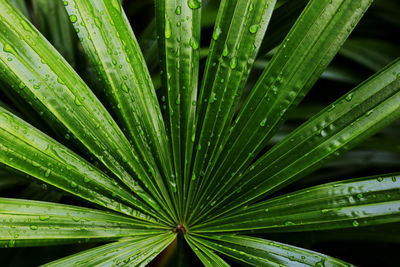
(38, 73)
(207, 256)
(27, 221)
(53, 22)
(238, 33)
(352, 118)
(260, 252)
(28, 150)
(178, 25)
(350, 203)
(308, 48)
(113, 51)
(136, 251)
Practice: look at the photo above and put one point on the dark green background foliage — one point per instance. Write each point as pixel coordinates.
(215, 133)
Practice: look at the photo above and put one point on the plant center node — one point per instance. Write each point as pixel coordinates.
(180, 228)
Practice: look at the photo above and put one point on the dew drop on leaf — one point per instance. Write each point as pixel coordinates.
(167, 30)
(254, 28)
(73, 184)
(8, 48)
(73, 18)
(217, 32)
(233, 63)
(124, 88)
(44, 217)
(194, 4)
(178, 10)
(194, 43)
(225, 52)
(11, 243)
(212, 98)
(349, 97)
(369, 112)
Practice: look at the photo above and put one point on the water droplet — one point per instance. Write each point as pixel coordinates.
(125, 88)
(254, 28)
(369, 112)
(44, 217)
(65, 3)
(213, 98)
(233, 62)
(217, 32)
(47, 173)
(167, 30)
(178, 100)
(251, 7)
(8, 48)
(11, 243)
(78, 102)
(194, 177)
(194, 4)
(349, 97)
(289, 223)
(194, 43)
(324, 210)
(21, 85)
(73, 184)
(73, 18)
(178, 10)
(263, 122)
(173, 185)
(355, 223)
(225, 52)
(33, 227)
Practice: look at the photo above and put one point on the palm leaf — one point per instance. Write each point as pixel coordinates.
(179, 25)
(350, 203)
(207, 256)
(30, 151)
(282, 85)
(59, 93)
(24, 222)
(194, 162)
(136, 251)
(237, 36)
(259, 252)
(114, 52)
(326, 135)
(53, 22)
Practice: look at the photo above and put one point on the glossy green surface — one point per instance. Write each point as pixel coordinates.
(204, 156)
